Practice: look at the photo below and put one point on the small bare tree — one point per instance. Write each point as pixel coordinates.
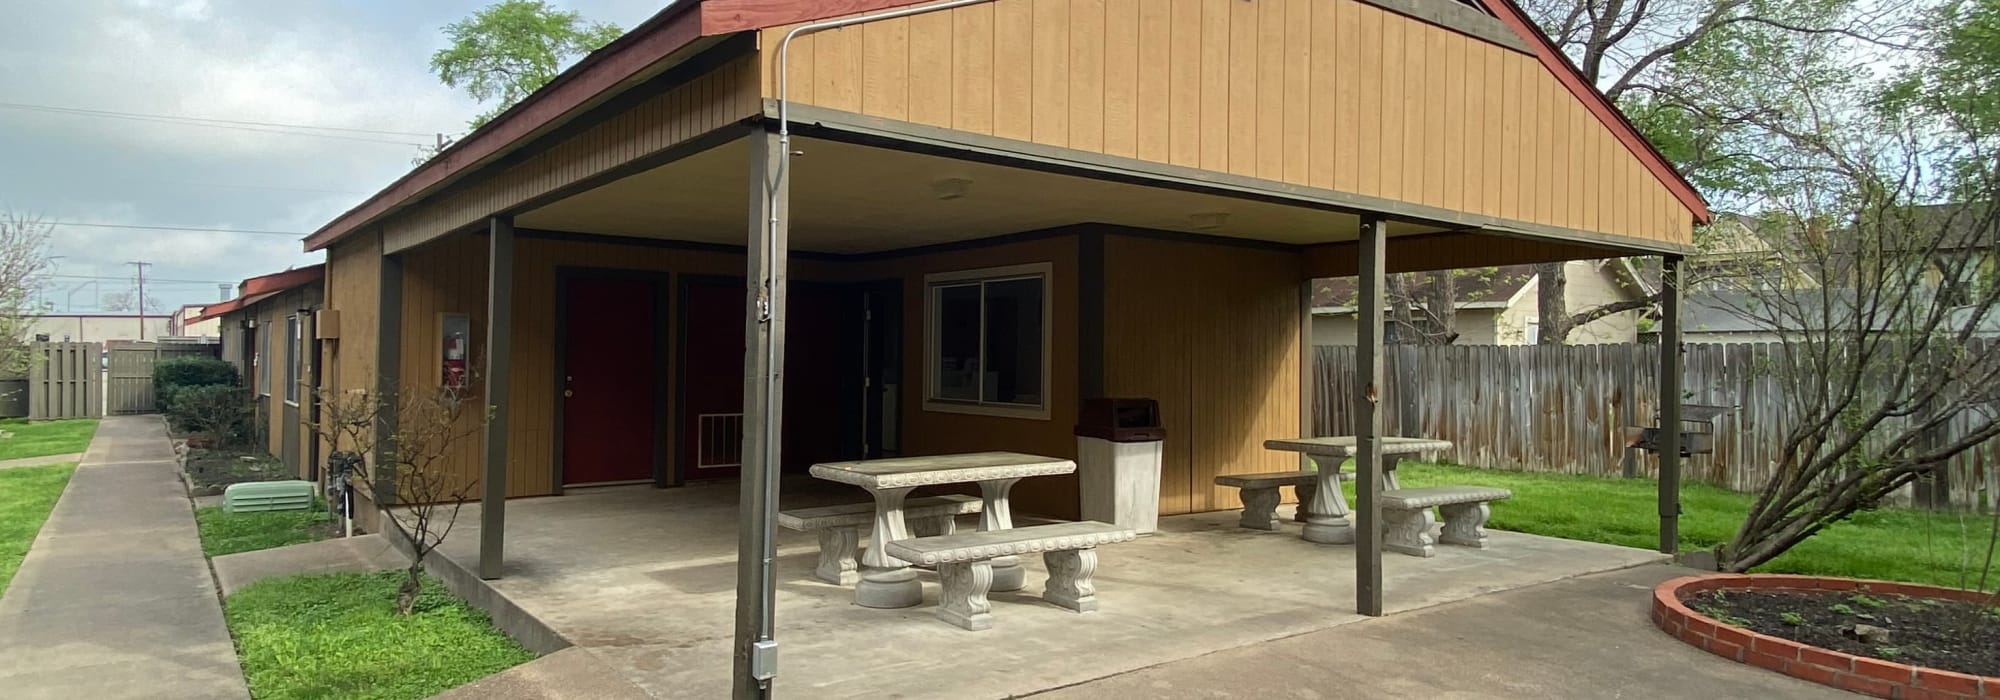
(24, 265)
(407, 466)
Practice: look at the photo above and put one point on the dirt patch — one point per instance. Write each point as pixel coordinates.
(210, 471)
(1942, 634)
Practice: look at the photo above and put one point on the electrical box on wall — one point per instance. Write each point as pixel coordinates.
(326, 324)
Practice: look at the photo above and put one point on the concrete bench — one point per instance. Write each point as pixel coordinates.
(839, 529)
(1407, 521)
(965, 568)
(1260, 495)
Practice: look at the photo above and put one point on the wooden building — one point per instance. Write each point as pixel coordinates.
(267, 332)
(992, 212)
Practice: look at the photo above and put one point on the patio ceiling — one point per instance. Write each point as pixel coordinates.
(849, 198)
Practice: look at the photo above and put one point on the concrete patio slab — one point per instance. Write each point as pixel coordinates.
(114, 600)
(1585, 637)
(644, 580)
(361, 553)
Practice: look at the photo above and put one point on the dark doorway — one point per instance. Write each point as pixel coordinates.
(710, 421)
(882, 370)
(610, 352)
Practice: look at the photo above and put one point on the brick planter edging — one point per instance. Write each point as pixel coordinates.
(1861, 674)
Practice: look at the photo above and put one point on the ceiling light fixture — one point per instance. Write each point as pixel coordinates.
(951, 187)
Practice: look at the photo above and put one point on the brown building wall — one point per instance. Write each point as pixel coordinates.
(1333, 94)
(353, 290)
(1211, 332)
(268, 376)
(722, 96)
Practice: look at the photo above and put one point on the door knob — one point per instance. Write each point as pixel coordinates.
(567, 393)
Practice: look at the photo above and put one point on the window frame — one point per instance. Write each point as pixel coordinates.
(294, 336)
(933, 283)
(263, 360)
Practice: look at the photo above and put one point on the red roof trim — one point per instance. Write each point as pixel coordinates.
(261, 287)
(726, 16)
(666, 32)
(1601, 107)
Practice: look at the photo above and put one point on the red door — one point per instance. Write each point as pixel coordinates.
(711, 420)
(609, 357)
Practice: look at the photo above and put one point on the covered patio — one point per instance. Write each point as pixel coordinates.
(645, 579)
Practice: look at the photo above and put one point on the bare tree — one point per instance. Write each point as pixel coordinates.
(1890, 359)
(128, 301)
(409, 464)
(24, 265)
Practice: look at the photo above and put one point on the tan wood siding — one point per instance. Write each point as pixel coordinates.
(1211, 332)
(711, 101)
(1334, 94)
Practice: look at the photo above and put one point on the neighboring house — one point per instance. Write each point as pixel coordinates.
(980, 234)
(1742, 317)
(1500, 305)
(265, 333)
(188, 322)
(97, 328)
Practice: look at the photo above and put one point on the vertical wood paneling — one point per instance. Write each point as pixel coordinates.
(1050, 91)
(1013, 69)
(1156, 28)
(1455, 165)
(1324, 120)
(1240, 66)
(1294, 144)
(1416, 81)
(1220, 372)
(1184, 75)
(1392, 160)
(1271, 54)
(1086, 75)
(1370, 102)
(885, 85)
(837, 68)
(1215, 140)
(971, 64)
(931, 94)
(1121, 77)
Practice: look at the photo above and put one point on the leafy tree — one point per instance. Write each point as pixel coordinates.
(1701, 78)
(509, 49)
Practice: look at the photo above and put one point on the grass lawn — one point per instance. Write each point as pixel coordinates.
(27, 494)
(229, 533)
(1891, 543)
(338, 636)
(20, 438)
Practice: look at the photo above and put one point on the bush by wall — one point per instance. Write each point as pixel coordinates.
(172, 376)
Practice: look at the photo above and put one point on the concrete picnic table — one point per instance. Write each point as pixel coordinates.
(888, 582)
(1326, 512)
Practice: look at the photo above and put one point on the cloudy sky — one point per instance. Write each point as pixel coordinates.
(360, 65)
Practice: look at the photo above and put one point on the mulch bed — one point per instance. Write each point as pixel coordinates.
(1942, 634)
(213, 470)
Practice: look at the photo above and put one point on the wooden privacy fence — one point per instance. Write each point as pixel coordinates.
(64, 381)
(1563, 409)
(130, 372)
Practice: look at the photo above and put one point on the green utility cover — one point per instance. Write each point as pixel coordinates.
(267, 495)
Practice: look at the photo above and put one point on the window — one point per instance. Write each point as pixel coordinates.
(293, 338)
(988, 345)
(263, 362)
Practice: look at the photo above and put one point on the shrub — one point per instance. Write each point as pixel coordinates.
(171, 376)
(218, 411)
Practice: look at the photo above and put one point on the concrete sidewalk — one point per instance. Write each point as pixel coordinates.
(1585, 637)
(115, 600)
(39, 461)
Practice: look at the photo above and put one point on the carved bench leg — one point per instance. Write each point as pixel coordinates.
(837, 548)
(1260, 509)
(933, 526)
(1070, 583)
(963, 600)
(1306, 494)
(1465, 524)
(1408, 531)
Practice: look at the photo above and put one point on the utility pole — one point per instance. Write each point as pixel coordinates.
(141, 266)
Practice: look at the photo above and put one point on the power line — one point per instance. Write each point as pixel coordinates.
(232, 186)
(197, 229)
(128, 278)
(322, 132)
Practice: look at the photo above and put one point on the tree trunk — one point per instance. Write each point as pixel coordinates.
(406, 595)
(1552, 307)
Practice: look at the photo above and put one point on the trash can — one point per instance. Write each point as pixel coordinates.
(1118, 444)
